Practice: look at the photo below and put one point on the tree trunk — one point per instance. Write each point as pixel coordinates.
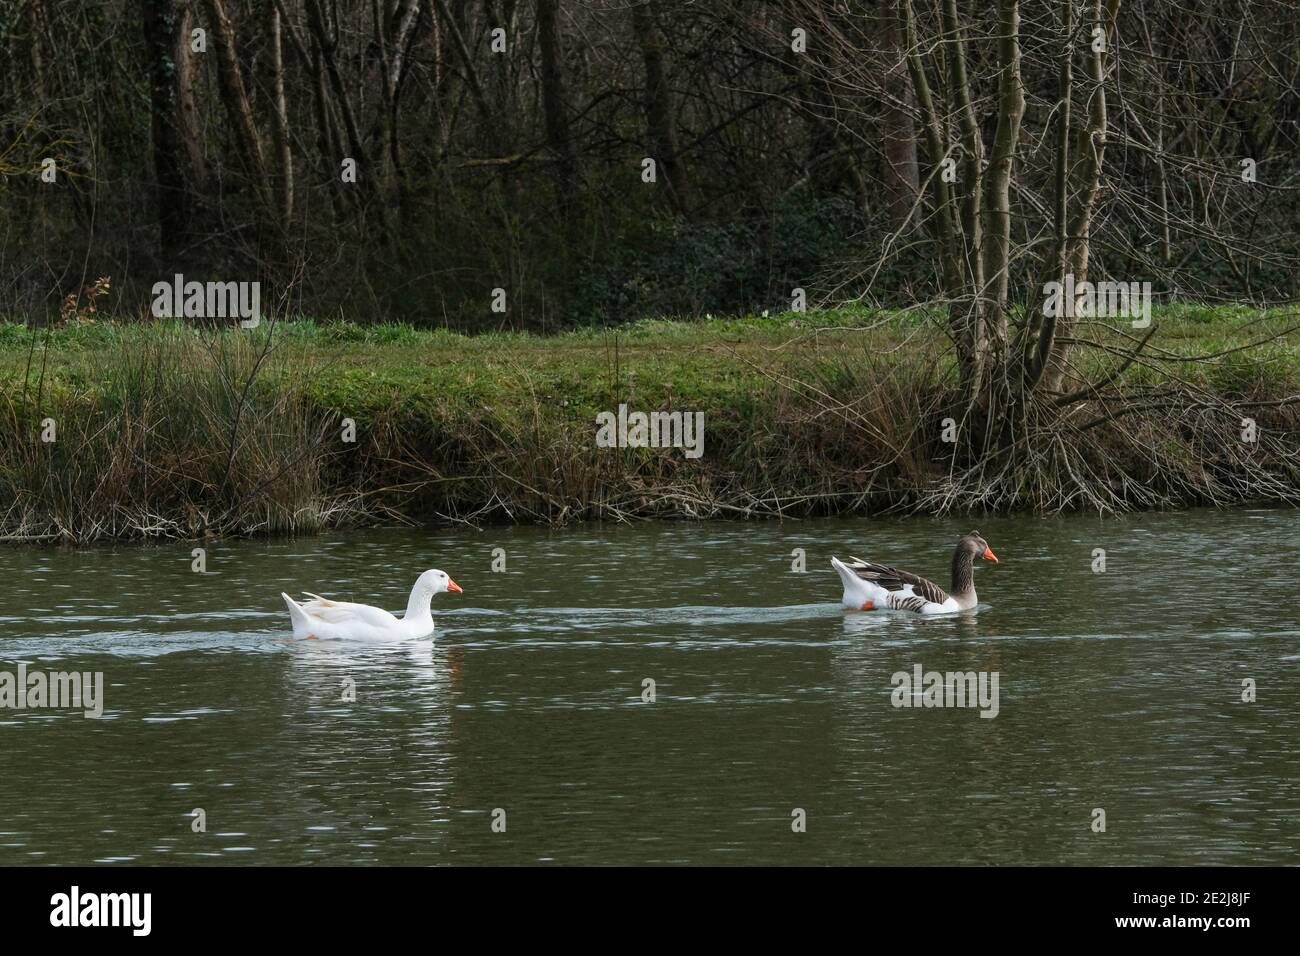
(661, 117)
(899, 132)
(970, 227)
(1041, 333)
(280, 122)
(997, 198)
(234, 94)
(1091, 150)
(160, 20)
(555, 107)
(187, 112)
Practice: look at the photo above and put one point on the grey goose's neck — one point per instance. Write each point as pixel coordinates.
(963, 576)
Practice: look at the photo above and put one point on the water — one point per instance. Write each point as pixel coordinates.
(1120, 690)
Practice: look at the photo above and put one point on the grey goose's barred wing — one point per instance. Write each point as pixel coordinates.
(923, 590)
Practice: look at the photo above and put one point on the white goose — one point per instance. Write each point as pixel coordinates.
(869, 586)
(323, 619)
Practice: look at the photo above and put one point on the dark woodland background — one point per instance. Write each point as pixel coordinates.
(522, 170)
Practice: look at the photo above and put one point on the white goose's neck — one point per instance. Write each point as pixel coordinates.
(418, 610)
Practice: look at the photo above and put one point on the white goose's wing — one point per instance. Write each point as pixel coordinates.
(344, 612)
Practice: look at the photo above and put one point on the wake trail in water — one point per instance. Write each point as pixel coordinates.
(251, 631)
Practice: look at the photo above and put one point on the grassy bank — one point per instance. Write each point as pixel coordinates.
(165, 430)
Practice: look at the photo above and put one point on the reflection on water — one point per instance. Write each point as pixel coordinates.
(1119, 690)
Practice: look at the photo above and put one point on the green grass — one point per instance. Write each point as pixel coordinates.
(690, 358)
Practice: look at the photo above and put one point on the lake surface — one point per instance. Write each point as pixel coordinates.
(1119, 690)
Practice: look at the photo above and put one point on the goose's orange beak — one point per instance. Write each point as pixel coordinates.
(453, 586)
(988, 556)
